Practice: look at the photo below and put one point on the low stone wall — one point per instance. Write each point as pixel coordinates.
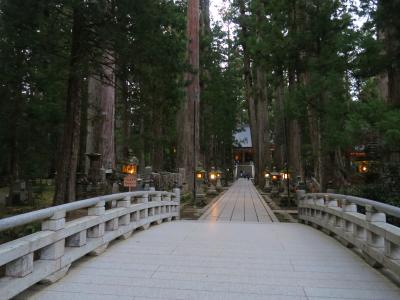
(337, 215)
(47, 255)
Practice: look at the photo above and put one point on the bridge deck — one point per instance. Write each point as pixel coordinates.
(222, 260)
(241, 203)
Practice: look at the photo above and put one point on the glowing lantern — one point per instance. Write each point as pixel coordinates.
(213, 174)
(129, 169)
(200, 174)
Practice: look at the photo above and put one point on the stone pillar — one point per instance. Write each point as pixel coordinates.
(348, 207)
(373, 216)
(97, 210)
(299, 195)
(55, 250)
(177, 198)
(125, 203)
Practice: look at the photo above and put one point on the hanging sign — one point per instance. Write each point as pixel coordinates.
(130, 181)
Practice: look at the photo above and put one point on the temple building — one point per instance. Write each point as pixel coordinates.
(243, 151)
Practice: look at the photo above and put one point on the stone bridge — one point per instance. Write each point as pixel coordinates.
(237, 250)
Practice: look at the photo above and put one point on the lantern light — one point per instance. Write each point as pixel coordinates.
(213, 174)
(129, 169)
(363, 167)
(200, 174)
(275, 176)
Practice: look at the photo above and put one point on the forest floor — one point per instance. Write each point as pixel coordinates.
(284, 212)
(3, 195)
(191, 212)
(41, 198)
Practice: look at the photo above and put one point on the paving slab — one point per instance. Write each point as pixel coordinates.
(222, 260)
(241, 203)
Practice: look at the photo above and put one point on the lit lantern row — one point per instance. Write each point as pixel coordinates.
(212, 175)
(276, 176)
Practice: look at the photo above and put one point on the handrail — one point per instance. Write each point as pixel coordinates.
(382, 207)
(46, 255)
(37, 215)
(338, 216)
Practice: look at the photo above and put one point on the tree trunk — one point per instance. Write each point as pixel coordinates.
(188, 116)
(248, 84)
(107, 108)
(158, 149)
(101, 114)
(295, 163)
(126, 132)
(262, 131)
(294, 137)
(205, 16)
(279, 139)
(389, 35)
(68, 159)
(256, 96)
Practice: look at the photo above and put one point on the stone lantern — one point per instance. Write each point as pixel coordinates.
(212, 177)
(267, 185)
(200, 177)
(218, 184)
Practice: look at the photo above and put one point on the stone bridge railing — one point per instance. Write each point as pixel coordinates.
(356, 222)
(47, 254)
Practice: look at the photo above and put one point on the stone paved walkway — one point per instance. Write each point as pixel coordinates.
(222, 260)
(241, 203)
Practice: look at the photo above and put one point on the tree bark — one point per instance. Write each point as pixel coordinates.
(294, 130)
(389, 35)
(107, 106)
(158, 149)
(256, 95)
(188, 116)
(68, 159)
(101, 113)
(263, 151)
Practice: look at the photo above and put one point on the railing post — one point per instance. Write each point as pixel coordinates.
(373, 216)
(97, 210)
(55, 250)
(299, 195)
(348, 207)
(177, 198)
(98, 230)
(164, 198)
(125, 203)
(144, 213)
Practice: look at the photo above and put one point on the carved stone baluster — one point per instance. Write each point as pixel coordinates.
(144, 213)
(97, 231)
(373, 216)
(55, 250)
(348, 207)
(126, 218)
(177, 198)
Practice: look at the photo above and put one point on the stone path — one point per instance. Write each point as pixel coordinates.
(221, 259)
(241, 203)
